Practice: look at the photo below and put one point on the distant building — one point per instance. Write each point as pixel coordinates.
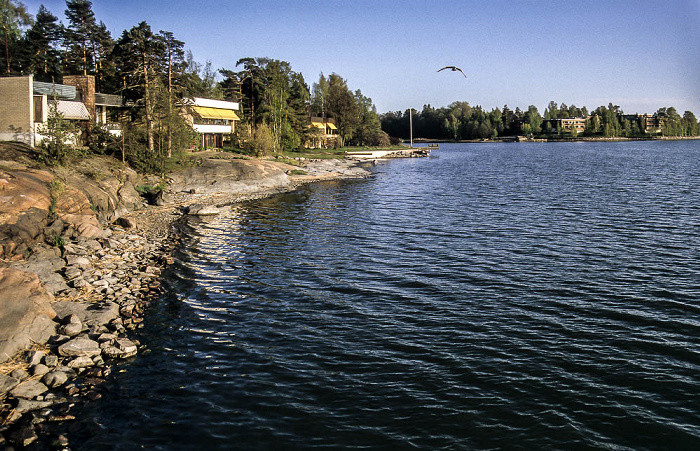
(324, 133)
(25, 105)
(214, 120)
(648, 123)
(566, 124)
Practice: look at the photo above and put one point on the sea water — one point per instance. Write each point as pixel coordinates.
(515, 295)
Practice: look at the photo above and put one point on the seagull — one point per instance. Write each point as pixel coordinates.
(454, 69)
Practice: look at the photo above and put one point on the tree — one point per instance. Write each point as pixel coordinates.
(319, 96)
(174, 62)
(370, 128)
(101, 46)
(138, 52)
(42, 57)
(342, 106)
(533, 118)
(13, 19)
(59, 135)
(690, 124)
(79, 36)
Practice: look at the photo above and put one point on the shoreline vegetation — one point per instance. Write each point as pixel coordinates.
(563, 139)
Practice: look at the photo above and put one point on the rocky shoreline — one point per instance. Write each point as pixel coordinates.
(92, 289)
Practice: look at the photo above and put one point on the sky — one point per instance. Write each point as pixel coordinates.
(638, 54)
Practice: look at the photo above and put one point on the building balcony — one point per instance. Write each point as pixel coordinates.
(203, 128)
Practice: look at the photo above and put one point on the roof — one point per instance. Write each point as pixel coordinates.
(211, 103)
(64, 92)
(215, 113)
(73, 110)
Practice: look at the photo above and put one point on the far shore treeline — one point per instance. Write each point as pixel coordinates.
(154, 72)
(461, 121)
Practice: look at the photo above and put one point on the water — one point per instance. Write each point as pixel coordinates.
(532, 296)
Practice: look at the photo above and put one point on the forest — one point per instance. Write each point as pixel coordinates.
(461, 121)
(154, 72)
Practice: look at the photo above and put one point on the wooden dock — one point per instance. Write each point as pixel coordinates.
(409, 152)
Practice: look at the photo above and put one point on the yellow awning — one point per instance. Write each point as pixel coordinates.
(318, 125)
(215, 113)
(331, 126)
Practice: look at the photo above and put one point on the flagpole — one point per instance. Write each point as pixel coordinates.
(410, 122)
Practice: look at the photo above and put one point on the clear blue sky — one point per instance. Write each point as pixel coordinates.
(638, 54)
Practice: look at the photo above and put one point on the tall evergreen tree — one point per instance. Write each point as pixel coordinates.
(174, 63)
(79, 37)
(137, 54)
(42, 56)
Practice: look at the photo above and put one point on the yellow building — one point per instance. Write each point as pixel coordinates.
(214, 120)
(324, 133)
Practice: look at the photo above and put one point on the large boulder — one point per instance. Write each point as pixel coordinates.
(26, 316)
(89, 313)
(107, 185)
(25, 201)
(230, 176)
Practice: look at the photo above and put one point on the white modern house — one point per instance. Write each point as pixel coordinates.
(214, 120)
(24, 105)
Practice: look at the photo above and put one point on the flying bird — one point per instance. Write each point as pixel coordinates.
(454, 69)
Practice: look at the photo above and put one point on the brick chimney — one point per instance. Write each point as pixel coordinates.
(86, 85)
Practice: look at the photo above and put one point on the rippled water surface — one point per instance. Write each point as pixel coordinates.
(534, 296)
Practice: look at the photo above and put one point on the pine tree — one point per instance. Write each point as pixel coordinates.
(42, 57)
(79, 37)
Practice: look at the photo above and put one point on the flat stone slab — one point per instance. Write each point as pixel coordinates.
(27, 316)
(29, 389)
(89, 313)
(202, 210)
(7, 383)
(79, 347)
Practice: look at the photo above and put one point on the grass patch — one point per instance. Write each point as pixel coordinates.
(150, 189)
(297, 172)
(58, 241)
(56, 188)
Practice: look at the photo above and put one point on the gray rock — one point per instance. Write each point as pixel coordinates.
(24, 436)
(51, 361)
(20, 374)
(126, 223)
(56, 378)
(27, 405)
(89, 313)
(7, 383)
(34, 357)
(100, 283)
(109, 337)
(72, 272)
(29, 389)
(80, 362)
(80, 283)
(39, 370)
(202, 210)
(27, 316)
(78, 347)
(123, 348)
(43, 261)
(72, 329)
(77, 260)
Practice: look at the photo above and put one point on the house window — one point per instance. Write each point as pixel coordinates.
(38, 109)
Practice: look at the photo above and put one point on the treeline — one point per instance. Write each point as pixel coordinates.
(154, 73)
(461, 121)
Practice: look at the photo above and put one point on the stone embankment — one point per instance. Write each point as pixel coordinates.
(81, 254)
